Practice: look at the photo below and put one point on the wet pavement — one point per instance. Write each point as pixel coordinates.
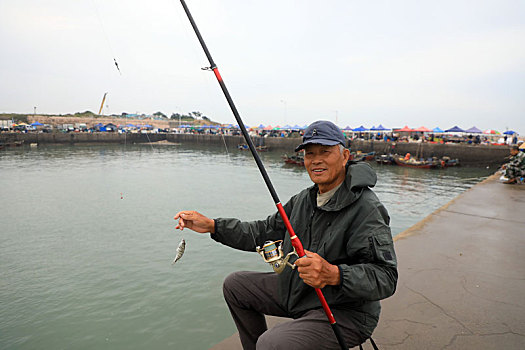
(461, 276)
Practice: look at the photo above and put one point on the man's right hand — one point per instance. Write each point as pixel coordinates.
(194, 221)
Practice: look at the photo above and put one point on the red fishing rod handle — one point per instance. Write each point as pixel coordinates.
(296, 243)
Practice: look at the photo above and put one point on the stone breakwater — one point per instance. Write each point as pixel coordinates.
(471, 155)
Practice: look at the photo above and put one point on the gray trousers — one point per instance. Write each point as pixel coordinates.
(251, 295)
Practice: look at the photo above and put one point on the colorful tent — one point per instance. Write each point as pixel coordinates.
(473, 130)
(423, 129)
(455, 129)
(36, 124)
(347, 128)
(405, 129)
(508, 132)
(437, 129)
(361, 128)
(492, 132)
(379, 128)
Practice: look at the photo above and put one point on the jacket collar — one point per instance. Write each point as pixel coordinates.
(359, 175)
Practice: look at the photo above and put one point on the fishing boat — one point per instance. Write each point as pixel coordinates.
(387, 159)
(447, 162)
(360, 157)
(408, 161)
(295, 160)
(244, 147)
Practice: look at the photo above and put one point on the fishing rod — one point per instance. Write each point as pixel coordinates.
(296, 243)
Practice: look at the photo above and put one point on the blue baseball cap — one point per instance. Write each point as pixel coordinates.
(322, 132)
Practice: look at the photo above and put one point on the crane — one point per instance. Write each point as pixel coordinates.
(102, 104)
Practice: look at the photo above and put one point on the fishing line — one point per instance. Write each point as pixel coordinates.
(196, 53)
(150, 143)
(106, 36)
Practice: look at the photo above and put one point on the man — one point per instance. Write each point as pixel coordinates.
(516, 167)
(350, 255)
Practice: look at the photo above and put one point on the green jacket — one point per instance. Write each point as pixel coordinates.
(518, 161)
(351, 231)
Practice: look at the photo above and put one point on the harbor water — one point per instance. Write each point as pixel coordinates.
(87, 238)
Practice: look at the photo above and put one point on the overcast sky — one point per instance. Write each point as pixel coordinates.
(431, 63)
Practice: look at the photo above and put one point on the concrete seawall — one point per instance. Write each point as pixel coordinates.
(479, 155)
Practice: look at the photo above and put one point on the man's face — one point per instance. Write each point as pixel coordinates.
(325, 165)
(513, 152)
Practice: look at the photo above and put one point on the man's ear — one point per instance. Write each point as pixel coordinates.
(346, 155)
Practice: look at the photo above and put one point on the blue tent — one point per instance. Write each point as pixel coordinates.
(379, 128)
(287, 127)
(296, 127)
(455, 129)
(437, 129)
(36, 124)
(260, 126)
(347, 128)
(473, 130)
(361, 128)
(508, 132)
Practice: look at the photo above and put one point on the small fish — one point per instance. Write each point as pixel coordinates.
(180, 251)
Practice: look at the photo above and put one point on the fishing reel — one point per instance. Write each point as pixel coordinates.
(272, 253)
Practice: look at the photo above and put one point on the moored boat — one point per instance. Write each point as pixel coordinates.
(408, 161)
(244, 147)
(360, 157)
(446, 162)
(387, 159)
(295, 160)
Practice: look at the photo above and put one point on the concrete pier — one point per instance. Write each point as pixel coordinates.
(461, 276)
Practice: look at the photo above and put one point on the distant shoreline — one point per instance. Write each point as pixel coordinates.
(469, 155)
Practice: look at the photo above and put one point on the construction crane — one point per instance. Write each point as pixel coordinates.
(102, 104)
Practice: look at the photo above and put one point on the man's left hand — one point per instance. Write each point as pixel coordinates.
(316, 271)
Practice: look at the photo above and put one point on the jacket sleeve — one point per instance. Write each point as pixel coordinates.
(373, 273)
(246, 235)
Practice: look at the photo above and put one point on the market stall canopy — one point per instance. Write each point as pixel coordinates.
(405, 129)
(490, 131)
(379, 128)
(473, 130)
(455, 129)
(508, 132)
(296, 127)
(423, 129)
(347, 128)
(268, 127)
(437, 129)
(361, 128)
(260, 126)
(36, 124)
